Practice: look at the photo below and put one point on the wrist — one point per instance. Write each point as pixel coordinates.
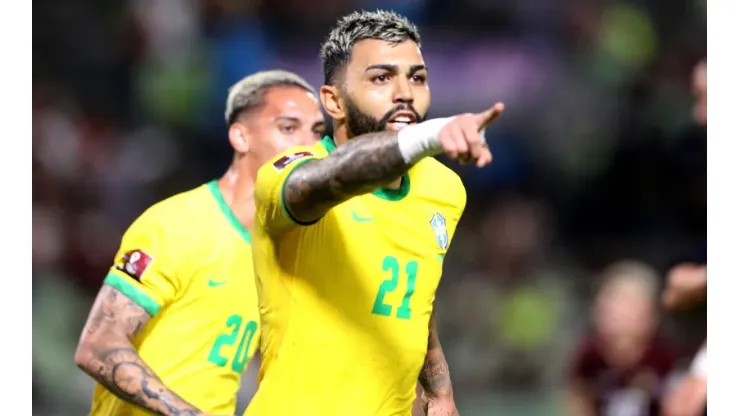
(420, 140)
(440, 395)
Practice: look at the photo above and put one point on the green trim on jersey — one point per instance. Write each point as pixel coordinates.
(389, 194)
(286, 211)
(213, 186)
(132, 292)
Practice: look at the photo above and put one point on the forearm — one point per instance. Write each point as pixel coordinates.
(687, 284)
(120, 369)
(681, 297)
(435, 373)
(106, 353)
(360, 166)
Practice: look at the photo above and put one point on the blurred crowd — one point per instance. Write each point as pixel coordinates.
(597, 161)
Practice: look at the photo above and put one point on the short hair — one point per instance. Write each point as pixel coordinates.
(632, 271)
(248, 94)
(381, 25)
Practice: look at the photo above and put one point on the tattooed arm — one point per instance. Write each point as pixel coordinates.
(359, 166)
(373, 160)
(106, 354)
(435, 377)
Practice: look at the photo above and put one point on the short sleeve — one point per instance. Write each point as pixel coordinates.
(271, 177)
(144, 268)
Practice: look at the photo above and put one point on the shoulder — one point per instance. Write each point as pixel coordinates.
(290, 157)
(434, 175)
(173, 213)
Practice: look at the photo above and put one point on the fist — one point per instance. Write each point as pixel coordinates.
(462, 138)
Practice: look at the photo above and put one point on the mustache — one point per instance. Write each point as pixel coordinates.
(401, 107)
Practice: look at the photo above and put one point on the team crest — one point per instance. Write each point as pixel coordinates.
(439, 225)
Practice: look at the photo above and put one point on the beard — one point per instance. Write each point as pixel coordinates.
(359, 123)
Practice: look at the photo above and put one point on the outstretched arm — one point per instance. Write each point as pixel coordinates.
(373, 160)
(106, 354)
(435, 377)
(360, 166)
(687, 284)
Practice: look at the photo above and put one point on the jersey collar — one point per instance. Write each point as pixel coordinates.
(213, 186)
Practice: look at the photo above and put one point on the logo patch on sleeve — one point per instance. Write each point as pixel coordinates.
(286, 160)
(134, 263)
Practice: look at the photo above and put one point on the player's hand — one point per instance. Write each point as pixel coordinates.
(462, 139)
(442, 409)
(438, 406)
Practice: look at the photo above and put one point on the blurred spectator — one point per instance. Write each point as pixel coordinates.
(622, 366)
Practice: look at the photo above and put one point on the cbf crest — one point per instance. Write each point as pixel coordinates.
(439, 225)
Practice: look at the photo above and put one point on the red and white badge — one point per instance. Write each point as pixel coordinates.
(286, 160)
(134, 263)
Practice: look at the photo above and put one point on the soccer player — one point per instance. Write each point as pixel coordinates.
(350, 235)
(176, 321)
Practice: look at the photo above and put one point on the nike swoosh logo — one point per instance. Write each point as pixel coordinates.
(360, 219)
(213, 283)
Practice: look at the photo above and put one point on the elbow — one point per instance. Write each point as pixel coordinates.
(88, 355)
(94, 350)
(84, 356)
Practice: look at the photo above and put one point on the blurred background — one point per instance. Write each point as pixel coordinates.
(597, 161)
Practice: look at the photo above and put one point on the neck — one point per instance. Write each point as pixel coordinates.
(237, 188)
(342, 136)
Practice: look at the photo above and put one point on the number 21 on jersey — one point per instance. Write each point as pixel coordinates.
(393, 266)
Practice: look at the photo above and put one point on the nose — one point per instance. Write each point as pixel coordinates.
(403, 93)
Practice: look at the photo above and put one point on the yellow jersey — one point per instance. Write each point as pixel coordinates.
(345, 302)
(187, 261)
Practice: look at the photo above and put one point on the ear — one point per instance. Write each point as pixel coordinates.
(239, 138)
(332, 102)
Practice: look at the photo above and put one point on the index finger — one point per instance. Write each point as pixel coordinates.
(489, 115)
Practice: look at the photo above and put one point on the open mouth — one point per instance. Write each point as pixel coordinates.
(402, 119)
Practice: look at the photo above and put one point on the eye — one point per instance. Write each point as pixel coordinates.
(380, 79)
(287, 128)
(419, 79)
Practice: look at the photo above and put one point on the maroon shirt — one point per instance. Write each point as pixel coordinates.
(635, 391)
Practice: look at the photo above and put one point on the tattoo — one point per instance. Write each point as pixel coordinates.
(106, 354)
(362, 165)
(435, 374)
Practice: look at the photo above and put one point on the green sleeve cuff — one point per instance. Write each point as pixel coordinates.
(286, 211)
(132, 292)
